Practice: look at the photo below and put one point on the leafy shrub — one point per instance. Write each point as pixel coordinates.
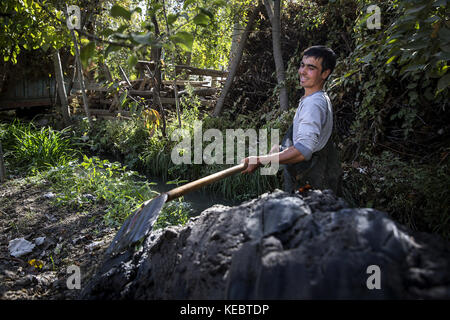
(414, 194)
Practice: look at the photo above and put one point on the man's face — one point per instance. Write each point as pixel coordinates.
(310, 73)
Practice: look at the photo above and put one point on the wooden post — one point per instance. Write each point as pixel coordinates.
(108, 76)
(61, 88)
(124, 76)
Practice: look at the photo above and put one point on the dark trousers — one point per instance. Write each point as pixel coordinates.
(322, 171)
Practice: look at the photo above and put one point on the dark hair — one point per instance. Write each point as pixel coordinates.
(328, 56)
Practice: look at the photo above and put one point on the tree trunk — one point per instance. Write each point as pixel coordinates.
(80, 72)
(175, 89)
(59, 75)
(2, 166)
(274, 16)
(236, 37)
(156, 57)
(236, 61)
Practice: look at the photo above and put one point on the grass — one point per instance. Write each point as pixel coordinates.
(36, 149)
(51, 159)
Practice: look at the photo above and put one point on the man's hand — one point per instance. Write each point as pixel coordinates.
(252, 164)
(287, 156)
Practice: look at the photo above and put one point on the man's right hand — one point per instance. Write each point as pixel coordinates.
(252, 164)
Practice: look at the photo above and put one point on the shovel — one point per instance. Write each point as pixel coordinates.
(140, 223)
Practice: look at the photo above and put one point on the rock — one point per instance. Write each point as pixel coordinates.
(25, 281)
(58, 248)
(10, 274)
(50, 217)
(39, 241)
(49, 195)
(280, 246)
(94, 245)
(90, 196)
(46, 279)
(19, 247)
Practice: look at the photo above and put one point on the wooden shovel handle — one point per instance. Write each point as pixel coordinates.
(194, 185)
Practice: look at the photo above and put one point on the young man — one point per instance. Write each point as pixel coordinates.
(306, 150)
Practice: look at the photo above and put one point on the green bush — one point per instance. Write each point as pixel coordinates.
(414, 194)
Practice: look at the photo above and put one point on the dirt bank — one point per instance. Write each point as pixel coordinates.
(72, 237)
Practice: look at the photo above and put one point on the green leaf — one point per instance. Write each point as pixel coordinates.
(155, 7)
(187, 3)
(415, 9)
(416, 45)
(207, 12)
(132, 61)
(107, 32)
(119, 11)
(439, 3)
(45, 46)
(87, 52)
(146, 38)
(176, 181)
(443, 82)
(391, 59)
(122, 28)
(184, 39)
(368, 58)
(348, 74)
(201, 19)
(219, 3)
(171, 18)
(111, 48)
(413, 67)
(123, 99)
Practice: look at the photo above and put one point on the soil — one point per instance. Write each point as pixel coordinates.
(72, 237)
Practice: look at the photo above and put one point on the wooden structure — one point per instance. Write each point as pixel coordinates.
(103, 97)
(206, 89)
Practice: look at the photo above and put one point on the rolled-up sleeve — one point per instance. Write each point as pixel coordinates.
(309, 126)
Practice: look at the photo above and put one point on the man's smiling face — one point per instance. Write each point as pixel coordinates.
(311, 76)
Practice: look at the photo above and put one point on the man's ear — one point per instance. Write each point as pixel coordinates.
(325, 74)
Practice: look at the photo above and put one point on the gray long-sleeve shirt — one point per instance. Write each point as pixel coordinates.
(313, 123)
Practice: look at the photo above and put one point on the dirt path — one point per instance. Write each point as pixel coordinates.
(72, 237)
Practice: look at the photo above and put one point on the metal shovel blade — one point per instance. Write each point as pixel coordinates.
(137, 225)
(140, 223)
